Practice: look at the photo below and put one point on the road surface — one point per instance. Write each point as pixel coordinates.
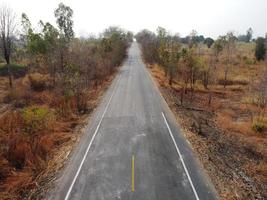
(132, 148)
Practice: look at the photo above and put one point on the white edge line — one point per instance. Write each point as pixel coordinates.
(89, 146)
(181, 158)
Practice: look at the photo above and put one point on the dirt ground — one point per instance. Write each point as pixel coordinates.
(233, 155)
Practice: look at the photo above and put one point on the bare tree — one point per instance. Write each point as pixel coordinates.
(229, 46)
(7, 31)
(260, 95)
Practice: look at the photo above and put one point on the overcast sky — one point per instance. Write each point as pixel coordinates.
(208, 17)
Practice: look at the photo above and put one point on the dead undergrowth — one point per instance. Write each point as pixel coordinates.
(232, 153)
(38, 130)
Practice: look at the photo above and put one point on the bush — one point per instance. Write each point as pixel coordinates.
(258, 126)
(260, 49)
(235, 81)
(37, 119)
(64, 108)
(81, 101)
(225, 82)
(249, 61)
(19, 151)
(11, 122)
(17, 70)
(4, 169)
(28, 151)
(19, 96)
(39, 82)
(240, 80)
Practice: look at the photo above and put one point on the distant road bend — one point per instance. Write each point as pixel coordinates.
(132, 148)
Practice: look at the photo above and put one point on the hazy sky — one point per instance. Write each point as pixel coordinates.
(208, 17)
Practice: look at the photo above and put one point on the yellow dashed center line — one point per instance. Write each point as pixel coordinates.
(132, 173)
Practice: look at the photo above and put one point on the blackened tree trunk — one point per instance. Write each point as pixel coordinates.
(7, 49)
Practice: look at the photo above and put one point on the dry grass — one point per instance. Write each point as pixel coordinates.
(37, 133)
(40, 82)
(232, 153)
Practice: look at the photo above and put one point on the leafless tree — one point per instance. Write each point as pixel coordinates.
(260, 95)
(7, 31)
(229, 46)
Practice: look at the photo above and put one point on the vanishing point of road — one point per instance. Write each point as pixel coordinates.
(132, 148)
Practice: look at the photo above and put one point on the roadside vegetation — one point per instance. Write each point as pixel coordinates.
(50, 81)
(218, 90)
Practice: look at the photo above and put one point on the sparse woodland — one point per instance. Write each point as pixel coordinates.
(218, 91)
(50, 81)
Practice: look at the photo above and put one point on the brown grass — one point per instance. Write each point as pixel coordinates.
(232, 153)
(40, 82)
(37, 135)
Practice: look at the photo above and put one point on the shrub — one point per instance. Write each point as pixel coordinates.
(44, 146)
(235, 81)
(258, 126)
(221, 81)
(28, 151)
(249, 100)
(39, 82)
(249, 61)
(37, 119)
(240, 80)
(19, 96)
(11, 122)
(17, 70)
(63, 107)
(81, 101)
(260, 49)
(4, 169)
(19, 151)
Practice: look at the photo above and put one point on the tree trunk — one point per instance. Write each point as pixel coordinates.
(182, 96)
(225, 79)
(9, 72)
(10, 76)
(210, 97)
(171, 76)
(62, 60)
(205, 80)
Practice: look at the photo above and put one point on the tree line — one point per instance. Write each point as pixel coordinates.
(187, 62)
(73, 64)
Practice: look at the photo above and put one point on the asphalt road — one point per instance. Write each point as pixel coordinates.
(133, 148)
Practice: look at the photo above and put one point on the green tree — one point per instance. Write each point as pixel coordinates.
(51, 41)
(260, 49)
(42, 46)
(174, 58)
(162, 49)
(218, 47)
(64, 16)
(191, 64)
(209, 41)
(34, 41)
(26, 25)
(64, 20)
